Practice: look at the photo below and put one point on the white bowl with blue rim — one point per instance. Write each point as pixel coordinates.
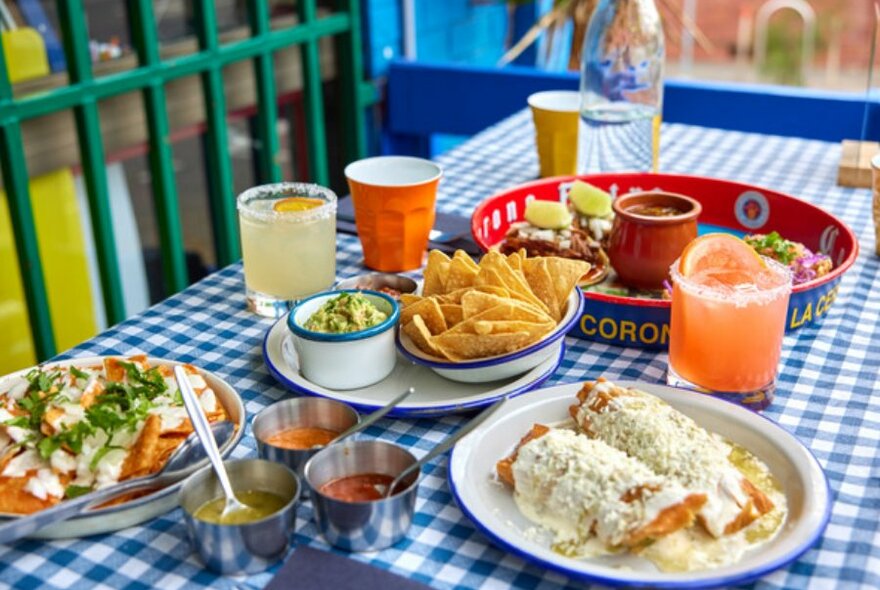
(493, 368)
(351, 359)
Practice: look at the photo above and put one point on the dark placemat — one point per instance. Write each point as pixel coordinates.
(311, 569)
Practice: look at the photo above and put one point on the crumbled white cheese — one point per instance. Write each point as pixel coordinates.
(109, 468)
(19, 465)
(172, 416)
(209, 401)
(670, 443)
(62, 461)
(73, 413)
(573, 485)
(197, 381)
(126, 438)
(16, 433)
(44, 484)
(17, 391)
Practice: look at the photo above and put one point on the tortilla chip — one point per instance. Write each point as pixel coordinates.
(497, 272)
(16, 500)
(542, 284)
(536, 330)
(113, 370)
(143, 455)
(565, 273)
(452, 313)
(464, 258)
(409, 299)
(461, 274)
(435, 273)
(421, 336)
(430, 312)
(463, 346)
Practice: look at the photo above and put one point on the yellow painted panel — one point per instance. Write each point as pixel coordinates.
(63, 255)
(25, 54)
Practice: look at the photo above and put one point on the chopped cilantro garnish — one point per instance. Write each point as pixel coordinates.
(79, 374)
(48, 445)
(73, 491)
(773, 245)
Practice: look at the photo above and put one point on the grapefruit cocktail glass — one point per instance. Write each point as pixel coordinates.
(726, 330)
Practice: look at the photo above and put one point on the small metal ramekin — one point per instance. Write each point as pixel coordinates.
(241, 548)
(376, 281)
(362, 526)
(316, 412)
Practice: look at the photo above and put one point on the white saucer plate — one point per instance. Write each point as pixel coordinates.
(491, 507)
(434, 395)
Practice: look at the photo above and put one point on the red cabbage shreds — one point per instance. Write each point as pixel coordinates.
(810, 266)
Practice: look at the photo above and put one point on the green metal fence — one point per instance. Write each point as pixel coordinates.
(149, 78)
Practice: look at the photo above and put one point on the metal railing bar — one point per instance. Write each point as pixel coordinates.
(75, 38)
(313, 99)
(37, 105)
(267, 109)
(350, 68)
(218, 166)
(165, 201)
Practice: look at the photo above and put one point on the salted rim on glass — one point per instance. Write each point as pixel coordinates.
(281, 190)
(760, 296)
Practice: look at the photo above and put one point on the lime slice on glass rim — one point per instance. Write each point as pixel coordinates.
(589, 200)
(548, 214)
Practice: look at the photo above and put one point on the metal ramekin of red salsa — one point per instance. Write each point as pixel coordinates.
(363, 487)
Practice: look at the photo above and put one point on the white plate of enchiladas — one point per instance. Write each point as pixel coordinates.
(639, 484)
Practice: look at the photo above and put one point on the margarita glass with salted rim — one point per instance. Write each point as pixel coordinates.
(726, 330)
(288, 244)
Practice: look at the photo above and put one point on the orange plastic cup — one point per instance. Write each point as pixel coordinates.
(394, 199)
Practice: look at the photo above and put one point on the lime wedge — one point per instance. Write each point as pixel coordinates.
(548, 214)
(590, 200)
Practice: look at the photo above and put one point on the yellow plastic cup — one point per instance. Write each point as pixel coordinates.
(556, 114)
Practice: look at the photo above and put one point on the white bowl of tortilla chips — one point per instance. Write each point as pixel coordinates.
(476, 323)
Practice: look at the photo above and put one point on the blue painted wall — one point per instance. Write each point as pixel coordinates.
(456, 31)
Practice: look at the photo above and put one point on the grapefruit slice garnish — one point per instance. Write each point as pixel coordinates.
(292, 204)
(719, 252)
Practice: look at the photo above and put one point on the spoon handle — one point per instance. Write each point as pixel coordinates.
(447, 443)
(374, 417)
(203, 429)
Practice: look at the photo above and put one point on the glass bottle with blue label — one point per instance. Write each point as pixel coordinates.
(622, 87)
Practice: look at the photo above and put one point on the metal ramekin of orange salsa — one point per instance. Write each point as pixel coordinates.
(301, 437)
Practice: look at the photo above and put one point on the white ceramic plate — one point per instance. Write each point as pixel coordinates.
(490, 505)
(114, 518)
(500, 366)
(433, 395)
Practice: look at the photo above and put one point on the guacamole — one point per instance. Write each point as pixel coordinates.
(348, 312)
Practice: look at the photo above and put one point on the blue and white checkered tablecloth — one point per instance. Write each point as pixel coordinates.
(825, 394)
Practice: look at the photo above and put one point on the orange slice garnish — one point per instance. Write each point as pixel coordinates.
(719, 252)
(292, 204)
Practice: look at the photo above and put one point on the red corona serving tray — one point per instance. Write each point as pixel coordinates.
(727, 206)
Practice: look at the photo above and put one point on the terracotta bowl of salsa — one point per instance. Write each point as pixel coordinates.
(348, 482)
(650, 231)
(291, 431)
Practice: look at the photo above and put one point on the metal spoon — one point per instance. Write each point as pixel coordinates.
(445, 445)
(185, 460)
(372, 418)
(203, 429)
